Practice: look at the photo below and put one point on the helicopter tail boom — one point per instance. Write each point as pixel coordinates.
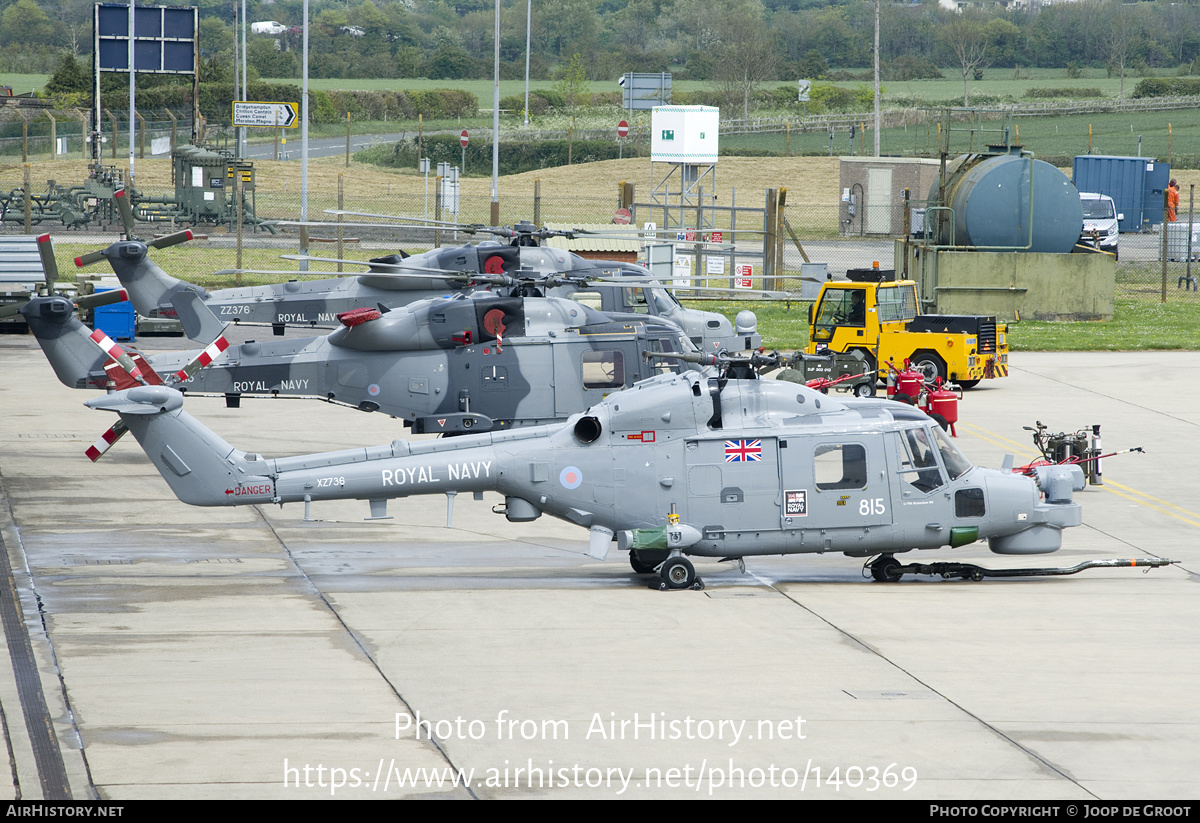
(204, 470)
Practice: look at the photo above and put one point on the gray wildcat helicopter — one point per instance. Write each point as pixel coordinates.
(398, 279)
(471, 362)
(681, 464)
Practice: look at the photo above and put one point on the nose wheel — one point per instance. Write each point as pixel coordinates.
(679, 573)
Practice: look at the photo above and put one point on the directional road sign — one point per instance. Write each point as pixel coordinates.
(268, 115)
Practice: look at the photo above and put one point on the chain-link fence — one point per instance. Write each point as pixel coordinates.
(809, 233)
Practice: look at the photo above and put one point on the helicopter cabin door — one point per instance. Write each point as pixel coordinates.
(834, 481)
(732, 484)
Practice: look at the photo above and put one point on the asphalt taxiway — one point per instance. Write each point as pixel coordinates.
(162, 651)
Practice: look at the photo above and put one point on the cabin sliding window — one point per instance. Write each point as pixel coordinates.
(840, 466)
(603, 370)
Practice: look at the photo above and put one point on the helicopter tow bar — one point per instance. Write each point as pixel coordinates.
(886, 569)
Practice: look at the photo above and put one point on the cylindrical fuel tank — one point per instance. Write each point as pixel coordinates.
(990, 196)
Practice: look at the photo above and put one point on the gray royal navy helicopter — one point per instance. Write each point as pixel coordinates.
(684, 464)
(398, 279)
(471, 362)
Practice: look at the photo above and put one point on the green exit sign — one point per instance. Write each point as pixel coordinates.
(668, 134)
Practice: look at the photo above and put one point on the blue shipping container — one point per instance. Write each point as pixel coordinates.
(1135, 184)
(118, 320)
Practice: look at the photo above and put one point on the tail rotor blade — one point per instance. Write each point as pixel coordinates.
(121, 198)
(89, 258)
(106, 441)
(171, 240)
(49, 264)
(211, 353)
(117, 353)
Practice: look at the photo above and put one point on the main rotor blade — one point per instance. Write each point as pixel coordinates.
(414, 221)
(122, 200)
(171, 239)
(398, 267)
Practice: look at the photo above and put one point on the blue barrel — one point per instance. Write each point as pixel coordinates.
(992, 209)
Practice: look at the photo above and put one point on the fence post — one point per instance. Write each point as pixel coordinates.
(780, 221)
(1163, 243)
(437, 209)
(112, 118)
(175, 127)
(537, 202)
(769, 223)
(28, 199)
(24, 140)
(84, 124)
(53, 136)
(341, 205)
(141, 136)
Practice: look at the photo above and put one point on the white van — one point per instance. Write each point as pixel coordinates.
(268, 27)
(1100, 221)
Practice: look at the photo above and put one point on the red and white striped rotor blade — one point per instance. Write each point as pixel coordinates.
(106, 441)
(117, 353)
(210, 353)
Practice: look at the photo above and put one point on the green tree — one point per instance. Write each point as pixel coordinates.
(572, 82)
(966, 39)
(69, 78)
(24, 22)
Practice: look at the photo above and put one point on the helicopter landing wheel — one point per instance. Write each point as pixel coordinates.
(646, 561)
(678, 573)
(886, 570)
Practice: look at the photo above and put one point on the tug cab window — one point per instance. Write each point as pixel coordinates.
(838, 466)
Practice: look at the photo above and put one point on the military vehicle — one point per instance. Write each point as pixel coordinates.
(471, 362)
(692, 463)
(523, 265)
(879, 316)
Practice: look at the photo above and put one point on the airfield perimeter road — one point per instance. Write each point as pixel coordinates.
(164, 651)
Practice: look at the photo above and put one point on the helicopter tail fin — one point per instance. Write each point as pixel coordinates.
(67, 343)
(152, 291)
(200, 467)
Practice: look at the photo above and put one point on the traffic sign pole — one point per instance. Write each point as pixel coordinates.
(622, 133)
(463, 139)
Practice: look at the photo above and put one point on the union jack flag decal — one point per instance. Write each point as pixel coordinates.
(743, 451)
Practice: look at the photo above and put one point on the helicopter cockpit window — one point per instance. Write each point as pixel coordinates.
(918, 461)
(603, 370)
(843, 307)
(591, 299)
(956, 462)
(635, 299)
(840, 466)
(664, 301)
(663, 365)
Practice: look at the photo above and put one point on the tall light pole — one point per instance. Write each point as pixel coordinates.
(876, 78)
(528, 26)
(495, 125)
(245, 79)
(304, 149)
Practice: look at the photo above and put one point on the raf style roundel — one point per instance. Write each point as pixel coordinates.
(570, 477)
